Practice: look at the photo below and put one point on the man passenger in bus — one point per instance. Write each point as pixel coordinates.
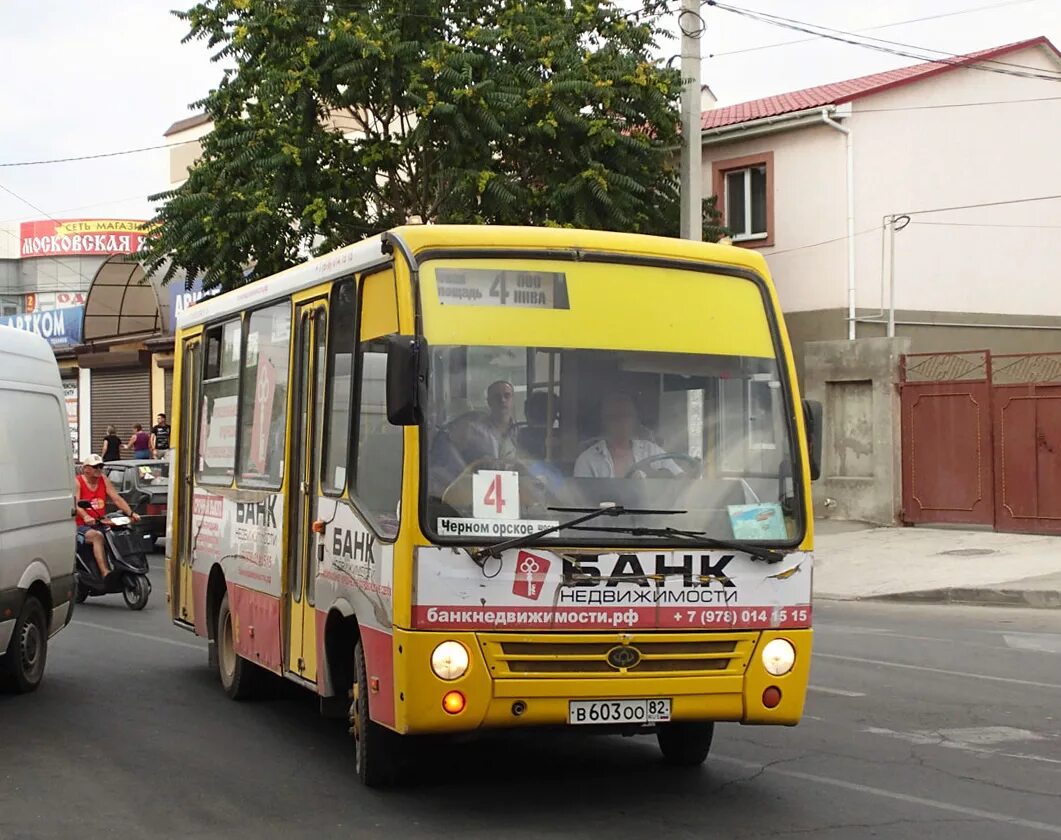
(499, 424)
(475, 438)
(619, 448)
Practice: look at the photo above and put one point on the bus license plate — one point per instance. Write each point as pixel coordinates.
(618, 711)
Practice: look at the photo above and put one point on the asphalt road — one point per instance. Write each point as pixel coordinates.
(942, 722)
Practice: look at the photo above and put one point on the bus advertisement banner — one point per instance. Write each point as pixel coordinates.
(672, 590)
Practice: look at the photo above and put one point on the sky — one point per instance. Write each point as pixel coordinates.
(113, 75)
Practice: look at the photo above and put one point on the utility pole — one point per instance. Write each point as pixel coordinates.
(692, 28)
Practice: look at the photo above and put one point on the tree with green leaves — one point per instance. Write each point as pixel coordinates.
(336, 119)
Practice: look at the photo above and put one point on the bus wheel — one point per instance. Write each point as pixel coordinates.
(22, 669)
(376, 748)
(685, 744)
(240, 679)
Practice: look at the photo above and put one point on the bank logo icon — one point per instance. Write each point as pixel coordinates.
(531, 570)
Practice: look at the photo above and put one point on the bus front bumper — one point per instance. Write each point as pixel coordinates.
(502, 689)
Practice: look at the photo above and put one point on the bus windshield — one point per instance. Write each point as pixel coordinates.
(563, 386)
(518, 434)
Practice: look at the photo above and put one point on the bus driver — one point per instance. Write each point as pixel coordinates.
(618, 449)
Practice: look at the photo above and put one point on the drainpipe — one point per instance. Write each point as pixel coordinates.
(828, 120)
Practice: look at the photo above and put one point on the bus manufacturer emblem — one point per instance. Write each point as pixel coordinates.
(624, 657)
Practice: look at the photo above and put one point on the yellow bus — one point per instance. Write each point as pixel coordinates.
(460, 478)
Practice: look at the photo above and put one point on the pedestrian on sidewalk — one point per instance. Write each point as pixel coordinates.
(160, 436)
(140, 443)
(112, 445)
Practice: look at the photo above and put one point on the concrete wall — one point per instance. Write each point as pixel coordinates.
(48, 274)
(856, 384)
(933, 331)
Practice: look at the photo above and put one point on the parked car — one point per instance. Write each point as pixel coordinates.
(37, 530)
(145, 486)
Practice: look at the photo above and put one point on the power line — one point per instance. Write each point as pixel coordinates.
(56, 259)
(983, 204)
(907, 52)
(122, 152)
(925, 54)
(98, 156)
(958, 105)
(873, 28)
(27, 202)
(925, 49)
(79, 207)
(773, 254)
(987, 225)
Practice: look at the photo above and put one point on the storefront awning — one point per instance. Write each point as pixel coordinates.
(122, 303)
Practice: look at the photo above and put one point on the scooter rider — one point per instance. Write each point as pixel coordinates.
(94, 487)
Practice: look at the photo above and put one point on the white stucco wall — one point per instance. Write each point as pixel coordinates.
(1003, 260)
(909, 160)
(9, 241)
(809, 207)
(183, 156)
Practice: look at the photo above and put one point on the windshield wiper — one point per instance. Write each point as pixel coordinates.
(757, 552)
(480, 556)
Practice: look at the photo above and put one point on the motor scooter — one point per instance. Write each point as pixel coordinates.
(126, 550)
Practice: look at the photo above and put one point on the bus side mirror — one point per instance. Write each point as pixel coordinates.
(406, 379)
(812, 419)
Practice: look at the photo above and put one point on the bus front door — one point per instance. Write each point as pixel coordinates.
(306, 423)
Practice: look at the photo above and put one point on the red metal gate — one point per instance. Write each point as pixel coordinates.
(946, 432)
(981, 440)
(1027, 420)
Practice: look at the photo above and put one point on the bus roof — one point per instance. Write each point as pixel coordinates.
(419, 238)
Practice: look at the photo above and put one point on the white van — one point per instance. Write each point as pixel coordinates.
(37, 526)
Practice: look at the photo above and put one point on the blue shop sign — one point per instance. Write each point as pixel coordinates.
(60, 327)
(181, 297)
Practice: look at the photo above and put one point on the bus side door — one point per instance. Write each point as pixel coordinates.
(306, 420)
(186, 455)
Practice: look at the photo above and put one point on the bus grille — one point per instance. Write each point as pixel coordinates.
(562, 655)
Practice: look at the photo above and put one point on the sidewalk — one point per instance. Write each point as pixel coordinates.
(854, 561)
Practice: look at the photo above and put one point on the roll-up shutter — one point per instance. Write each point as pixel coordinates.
(120, 398)
(167, 406)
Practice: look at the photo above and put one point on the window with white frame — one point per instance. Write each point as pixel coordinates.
(746, 198)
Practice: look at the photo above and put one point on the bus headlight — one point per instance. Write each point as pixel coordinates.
(449, 661)
(778, 657)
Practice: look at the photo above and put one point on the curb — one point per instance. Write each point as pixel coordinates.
(1048, 599)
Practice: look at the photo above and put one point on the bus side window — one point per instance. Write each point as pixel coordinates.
(377, 475)
(263, 413)
(342, 342)
(218, 403)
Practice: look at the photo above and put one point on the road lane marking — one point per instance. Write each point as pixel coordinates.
(1028, 757)
(858, 630)
(839, 692)
(972, 739)
(1033, 642)
(136, 635)
(904, 666)
(883, 793)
